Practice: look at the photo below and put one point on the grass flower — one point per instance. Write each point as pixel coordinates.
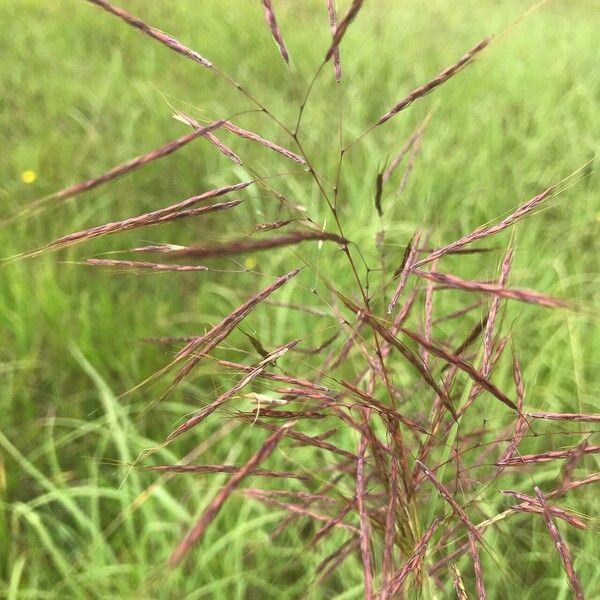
(250, 263)
(28, 176)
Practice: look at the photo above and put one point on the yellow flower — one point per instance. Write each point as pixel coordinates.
(250, 263)
(28, 176)
(598, 217)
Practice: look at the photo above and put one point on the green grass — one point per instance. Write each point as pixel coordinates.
(80, 93)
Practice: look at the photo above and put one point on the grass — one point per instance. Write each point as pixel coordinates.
(82, 93)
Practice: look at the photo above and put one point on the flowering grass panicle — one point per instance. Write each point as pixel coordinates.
(396, 413)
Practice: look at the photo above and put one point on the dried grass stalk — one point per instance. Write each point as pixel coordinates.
(436, 421)
(223, 149)
(240, 246)
(435, 82)
(249, 135)
(405, 268)
(481, 594)
(435, 568)
(245, 134)
(428, 315)
(306, 440)
(309, 310)
(333, 522)
(342, 26)
(275, 30)
(219, 332)
(456, 508)
(532, 505)
(552, 416)
(412, 159)
(332, 362)
(323, 346)
(459, 586)
(378, 193)
(573, 485)
(561, 546)
(412, 140)
(209, 469)
(390, 526)
(157, 34)
(305, 497)
(384, 409)
(458, 313)
(481, 287)
(476, 391)
(158, 217)
(471, 337)
(365, 535)
(272, 376)
(534, 459)
(209, 409)
(327, 487)
(336, 558)
(412, 564)
(464, 366)
(483, 231)
(386, 334)
(294, 508)
(276, 413)
(130, 165)
(571, 463)
(271, 226)
(401, 317)
(488, 336)
(328, 400)
(138, 265)
(217, 502)
(337, 65)
(521, 422)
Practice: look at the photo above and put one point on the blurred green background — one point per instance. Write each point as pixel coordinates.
(81, 92)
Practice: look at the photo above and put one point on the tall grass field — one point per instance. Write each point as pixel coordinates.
(299, 299)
